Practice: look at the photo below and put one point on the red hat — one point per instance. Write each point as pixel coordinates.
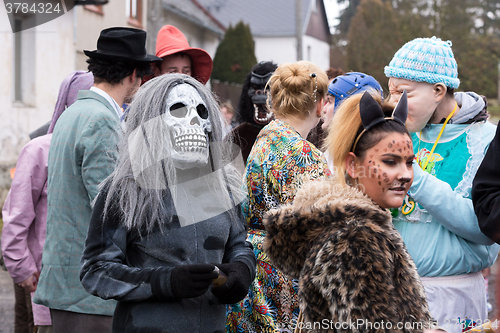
(171, 40)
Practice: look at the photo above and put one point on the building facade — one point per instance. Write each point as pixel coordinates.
(273, 24)
(34, 62)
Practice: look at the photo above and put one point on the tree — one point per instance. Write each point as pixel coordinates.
(413, 22)
(475, 43)
(477, 65)
(346, 15)
(374, 37)
(488, 12)
(235, 55)
(378, 28)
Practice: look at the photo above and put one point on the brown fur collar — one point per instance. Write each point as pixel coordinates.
(308, 216)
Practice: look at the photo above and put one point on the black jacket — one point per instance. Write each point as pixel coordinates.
(136, 270)
(486, 191)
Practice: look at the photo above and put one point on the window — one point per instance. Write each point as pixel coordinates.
(24, 63)
(134, 13)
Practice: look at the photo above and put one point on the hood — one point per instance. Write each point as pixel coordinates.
(320, 208)
(471, 106)
(68, 93)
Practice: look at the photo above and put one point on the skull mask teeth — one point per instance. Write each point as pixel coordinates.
(190, 140)
(187, 120)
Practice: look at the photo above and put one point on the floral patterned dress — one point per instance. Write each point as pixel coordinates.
(279, 162)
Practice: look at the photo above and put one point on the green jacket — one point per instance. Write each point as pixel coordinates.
(82, 154)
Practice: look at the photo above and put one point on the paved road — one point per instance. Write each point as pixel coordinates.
(6, 303)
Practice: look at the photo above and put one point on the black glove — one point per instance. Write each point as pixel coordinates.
(237, 284)
(189, 281)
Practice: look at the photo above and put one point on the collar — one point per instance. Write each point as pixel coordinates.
(110, 100)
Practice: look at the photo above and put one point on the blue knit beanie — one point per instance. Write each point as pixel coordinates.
(428, 60)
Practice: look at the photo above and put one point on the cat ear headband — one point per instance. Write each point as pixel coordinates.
(371, 113)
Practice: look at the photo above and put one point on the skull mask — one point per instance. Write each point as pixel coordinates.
(187, 119)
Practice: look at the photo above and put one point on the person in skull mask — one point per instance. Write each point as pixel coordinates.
(253, 112)
(168, 220)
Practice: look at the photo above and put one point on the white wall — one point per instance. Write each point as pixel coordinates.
(89, 25)
(53, 57)
(284, 49)
(8, 127)
(316, 51)
(196, 36)
(277, 49)
(56, 51)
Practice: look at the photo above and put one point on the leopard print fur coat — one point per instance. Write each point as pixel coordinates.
(355, 274)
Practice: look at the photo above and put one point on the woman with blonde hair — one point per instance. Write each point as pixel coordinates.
(280, 160)
(337, 237)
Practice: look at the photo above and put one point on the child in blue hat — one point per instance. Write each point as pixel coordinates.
(450, 134)
(339, 89)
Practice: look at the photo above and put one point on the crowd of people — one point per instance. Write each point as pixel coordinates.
(318, 204)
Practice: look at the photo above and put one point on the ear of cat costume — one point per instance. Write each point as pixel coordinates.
(372, 114)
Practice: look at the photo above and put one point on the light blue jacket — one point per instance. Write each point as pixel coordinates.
(442, 234)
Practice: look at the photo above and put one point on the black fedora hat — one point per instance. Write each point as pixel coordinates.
(122, 44)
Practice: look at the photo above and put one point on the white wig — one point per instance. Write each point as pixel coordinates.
(141, 202)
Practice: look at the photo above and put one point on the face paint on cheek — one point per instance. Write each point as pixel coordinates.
(379, 183)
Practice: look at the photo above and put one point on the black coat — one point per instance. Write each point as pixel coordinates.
(486, 191)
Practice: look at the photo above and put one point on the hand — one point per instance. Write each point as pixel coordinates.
(189, 281)
(30, 283)
(237, 284)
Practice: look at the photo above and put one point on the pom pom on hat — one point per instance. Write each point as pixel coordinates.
(428, 60)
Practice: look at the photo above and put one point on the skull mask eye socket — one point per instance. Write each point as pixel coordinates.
(178, 110)
(202, 111)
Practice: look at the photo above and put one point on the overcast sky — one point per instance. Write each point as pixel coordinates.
(332, 12)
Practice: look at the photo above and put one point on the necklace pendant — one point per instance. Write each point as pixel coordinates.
(408, 206)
